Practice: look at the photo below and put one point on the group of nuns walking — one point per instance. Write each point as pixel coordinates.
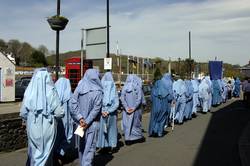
(51, 112)
(176, 101)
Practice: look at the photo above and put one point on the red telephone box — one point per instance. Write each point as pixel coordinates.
(73, 70)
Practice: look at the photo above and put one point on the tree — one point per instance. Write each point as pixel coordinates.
(38, 59)
(44, 50)
(25, 54)
(187, 63)
(3, 46)
(14, 47)
(157, 74)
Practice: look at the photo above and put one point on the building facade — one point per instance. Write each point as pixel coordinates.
(245, 70)
(7, 79)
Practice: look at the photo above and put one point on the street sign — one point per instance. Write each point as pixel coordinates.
(107, 63)
(96, 47)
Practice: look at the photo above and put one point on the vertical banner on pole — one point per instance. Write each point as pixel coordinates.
(215, 69)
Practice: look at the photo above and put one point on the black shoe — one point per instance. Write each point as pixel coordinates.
(128, 143)
(143, 139)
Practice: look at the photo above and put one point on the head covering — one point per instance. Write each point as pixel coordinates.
(63, 89)
(38, 92)
(109, 89)
(90, 82)
(209, 82)
(39, 69)
(167, 75)
(195, 85)
(167, 79)
(179, 87)
(137, 81)
(128, 86)
(237, 81)
(167, 82)
(189, 87)
(159, 89)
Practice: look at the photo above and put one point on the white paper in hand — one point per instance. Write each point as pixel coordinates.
(79, 131)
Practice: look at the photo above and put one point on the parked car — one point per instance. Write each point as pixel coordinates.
(21, 86)
(146, 89)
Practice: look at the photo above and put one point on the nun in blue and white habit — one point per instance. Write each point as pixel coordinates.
(210, 91)
(138, 82)
(221, 89)
(107, 136)
(86, 111)
(40, 110)
(204, 91)
(132, 100)
(225, 90)
(236, 87)
(189, 100)
(168, 83)
(217, 90)
(65, 125)
(161, 98)
(196, 101)
(180, 90)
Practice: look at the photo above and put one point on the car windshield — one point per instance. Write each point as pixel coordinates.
(18, 83)
(146, 89)
(26, 82)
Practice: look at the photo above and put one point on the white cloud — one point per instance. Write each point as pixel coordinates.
(219, 28)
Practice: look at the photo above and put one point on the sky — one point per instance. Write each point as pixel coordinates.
(146, 28)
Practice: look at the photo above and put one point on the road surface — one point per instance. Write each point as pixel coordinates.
(208, 140)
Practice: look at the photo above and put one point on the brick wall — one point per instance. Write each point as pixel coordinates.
(12, 134)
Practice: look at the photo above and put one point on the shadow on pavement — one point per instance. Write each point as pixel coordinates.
(102, 159)
(220, 143)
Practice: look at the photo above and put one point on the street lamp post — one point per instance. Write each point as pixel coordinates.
(57, 40)
(57, 23)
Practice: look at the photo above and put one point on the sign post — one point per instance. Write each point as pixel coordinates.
(107, 63)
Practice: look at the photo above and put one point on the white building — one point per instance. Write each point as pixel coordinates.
(7, 79)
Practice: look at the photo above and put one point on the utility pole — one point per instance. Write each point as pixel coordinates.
(108, 29)
(179, 66)
(169, 65)
(120, 67)
(127, 65)
(138, 65)
(148, 63)
(82, 45)
(190, 64)
(118, 59)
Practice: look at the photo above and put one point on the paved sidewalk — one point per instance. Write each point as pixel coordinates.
(6, 108)
(208, 140)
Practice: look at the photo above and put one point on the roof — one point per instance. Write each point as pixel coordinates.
(1, 53)
(245, 68)
(73, 59)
